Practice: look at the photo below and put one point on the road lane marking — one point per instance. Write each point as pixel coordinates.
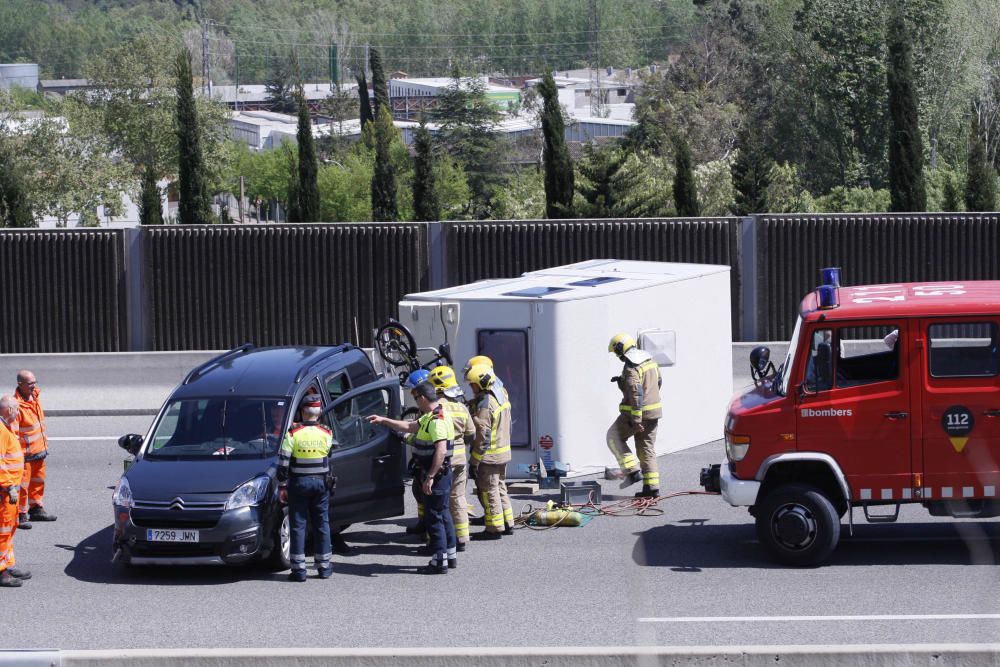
(822, 619)
(86, 437)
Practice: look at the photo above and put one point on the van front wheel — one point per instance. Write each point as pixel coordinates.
(797, 525)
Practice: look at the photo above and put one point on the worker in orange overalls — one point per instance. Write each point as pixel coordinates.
(11, 469)
(35, 446)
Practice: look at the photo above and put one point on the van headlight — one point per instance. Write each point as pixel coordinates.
(736, 446)
(248, 494)
(122, 497)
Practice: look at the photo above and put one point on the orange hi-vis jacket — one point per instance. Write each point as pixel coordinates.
(31, 418)
(11, 457)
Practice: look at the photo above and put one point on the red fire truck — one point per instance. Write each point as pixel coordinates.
(889, 394)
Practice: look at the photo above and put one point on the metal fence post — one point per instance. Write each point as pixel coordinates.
(437, 270)
(748, 277)
(135, 311)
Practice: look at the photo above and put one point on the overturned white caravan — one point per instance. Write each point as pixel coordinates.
(548, 331)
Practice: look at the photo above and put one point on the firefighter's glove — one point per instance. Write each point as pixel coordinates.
(616, 379)
(12, 493)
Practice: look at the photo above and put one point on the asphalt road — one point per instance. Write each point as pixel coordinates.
(693, 576)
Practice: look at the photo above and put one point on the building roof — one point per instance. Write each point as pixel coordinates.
(949, 298)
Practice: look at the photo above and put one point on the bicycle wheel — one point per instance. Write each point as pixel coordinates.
(395, 344)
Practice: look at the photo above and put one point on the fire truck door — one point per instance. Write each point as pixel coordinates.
(855, 406)
(960, 415)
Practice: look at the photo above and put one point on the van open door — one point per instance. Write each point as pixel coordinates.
(367, 459)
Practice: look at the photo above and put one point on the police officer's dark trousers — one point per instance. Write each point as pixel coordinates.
(440, 526)
(308, 497)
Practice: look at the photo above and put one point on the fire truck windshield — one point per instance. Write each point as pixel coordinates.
(785, 370)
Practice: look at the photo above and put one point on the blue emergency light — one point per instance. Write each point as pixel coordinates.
(827, 293)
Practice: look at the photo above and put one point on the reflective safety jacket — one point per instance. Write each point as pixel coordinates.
(31, 418)
(465, 430)
(492, 419)
(11, 458)
(305, 450)
(432, 427)
(640, 387)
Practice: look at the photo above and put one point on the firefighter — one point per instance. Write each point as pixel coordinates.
(491, 451)
(11, 470)
(419, 528)
(453, 401)
(35, 446)
(482, 359)
(433, 442)
(638, 415)
(305, 480)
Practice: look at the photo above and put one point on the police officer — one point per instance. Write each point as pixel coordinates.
(433, 437)
(453, 401)
(638, 415)
(305, 481)
(491, 451)
(419, 528)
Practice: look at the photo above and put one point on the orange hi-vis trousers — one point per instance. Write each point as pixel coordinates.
(8, 526)
(32, 485)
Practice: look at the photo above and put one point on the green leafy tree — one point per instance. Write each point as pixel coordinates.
(380, 85)
(469, 133)
(644, 185)
(193, 206)
(523, 198)
(555, 155)
(150, 205)
(15, 207)
(384, 208)
(596, 172)
(906, 153)
(308, 190)
(426, 206)
(980, 180)
(685, 188)
(751, 173)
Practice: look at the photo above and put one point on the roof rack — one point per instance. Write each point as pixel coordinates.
(315, 360)
(215, 361)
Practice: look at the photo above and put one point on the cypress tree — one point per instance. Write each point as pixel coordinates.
(598, 169)
(380, 87)
(150, 206)
(293, 212)
(366, 103)
(950, 194)
(980, 183)
(685, 191)
(906, 152)
(555, 155)
(751, 172)
(15, 209)
(308, 188)
(426, 205)
(384, 174)
(194, 206)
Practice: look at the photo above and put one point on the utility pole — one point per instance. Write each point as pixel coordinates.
(368, 72)
(204, 54)
(596, 105)
(236, 97)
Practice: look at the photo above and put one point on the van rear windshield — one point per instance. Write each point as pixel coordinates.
(219, 429)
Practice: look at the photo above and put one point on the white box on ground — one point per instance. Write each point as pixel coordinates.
(548, 331)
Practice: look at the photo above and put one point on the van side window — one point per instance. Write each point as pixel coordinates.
(967, 349)
(349, 423)
(866, 355)
(336, 385)
(819, 370)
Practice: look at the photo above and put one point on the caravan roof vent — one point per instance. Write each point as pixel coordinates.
(537, 291)
(594, 282)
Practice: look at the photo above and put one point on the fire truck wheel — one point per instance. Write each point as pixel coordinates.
(798, 525)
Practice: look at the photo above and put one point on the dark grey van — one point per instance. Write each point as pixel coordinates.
(202, 489)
